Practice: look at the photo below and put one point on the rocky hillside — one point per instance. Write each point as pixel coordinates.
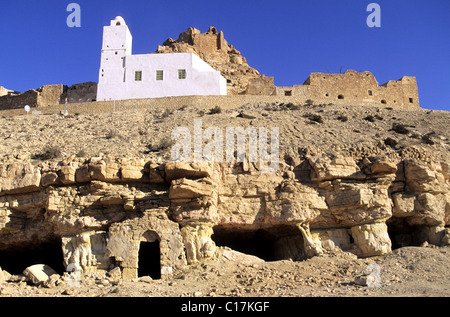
(212, 47)
(359, 180)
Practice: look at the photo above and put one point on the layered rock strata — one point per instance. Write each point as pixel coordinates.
(100, 210)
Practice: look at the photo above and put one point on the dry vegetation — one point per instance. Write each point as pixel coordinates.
(328, 129)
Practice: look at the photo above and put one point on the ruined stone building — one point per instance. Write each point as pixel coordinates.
(44, 96)
(49, 95)
(212, 47)
(351, 86)
(5, 92)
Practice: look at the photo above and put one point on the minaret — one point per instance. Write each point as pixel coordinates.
(117, 44)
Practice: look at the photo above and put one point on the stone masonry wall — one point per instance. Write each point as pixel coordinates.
(4, 91)
(49, 95)
(351, 85)
(357, 86)
(19, 101)
(84, 92)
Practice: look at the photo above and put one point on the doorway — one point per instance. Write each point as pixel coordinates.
(149, 259)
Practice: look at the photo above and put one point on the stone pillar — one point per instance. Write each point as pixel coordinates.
(435, 234)
(85, 251)
(312, 247)
(197, 240)
(371, 239)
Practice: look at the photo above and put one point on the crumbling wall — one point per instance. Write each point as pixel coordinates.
(84, 92)
(242, 79)
(299, 91)
(212, 47)
(4, 91)
(19, 101)
(261, 86)
(355, 86)
(49, 95)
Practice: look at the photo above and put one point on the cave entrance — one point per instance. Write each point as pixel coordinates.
(403, 234)
(270, 244)
(149, 263)
(16, 258)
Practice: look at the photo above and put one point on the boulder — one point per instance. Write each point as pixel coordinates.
(115, 274)
(67, 174)
(324, 168)
(178, 170)
(19, 177)
(371, 239)
(48, 179)
(39, 273)
(132, 170)
(423, 177)
(186, 188)
(382, 166)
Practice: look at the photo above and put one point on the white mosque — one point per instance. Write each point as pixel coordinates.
(126, 76)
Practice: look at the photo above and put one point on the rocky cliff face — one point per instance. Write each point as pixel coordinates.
(100, 210)
(212, 47)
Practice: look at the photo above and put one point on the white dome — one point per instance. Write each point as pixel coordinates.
(118, 21)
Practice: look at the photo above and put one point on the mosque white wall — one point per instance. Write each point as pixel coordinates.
(117, 77)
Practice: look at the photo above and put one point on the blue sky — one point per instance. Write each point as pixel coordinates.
(284, 39)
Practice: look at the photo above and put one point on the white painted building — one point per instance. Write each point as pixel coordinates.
(126, 76)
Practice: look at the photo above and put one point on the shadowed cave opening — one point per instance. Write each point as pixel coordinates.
(149, 259)
(16, 258)
(403, 234)
(275, 243)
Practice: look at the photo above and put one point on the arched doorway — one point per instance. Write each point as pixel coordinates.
(149, 261)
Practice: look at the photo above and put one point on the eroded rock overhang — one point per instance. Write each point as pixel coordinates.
(103, 210)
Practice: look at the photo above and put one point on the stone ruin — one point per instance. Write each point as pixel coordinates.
(151, 219)
(48, 95)
(349, 86)
(212, 47)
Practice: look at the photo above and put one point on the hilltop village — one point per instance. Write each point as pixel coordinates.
(202, 64)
